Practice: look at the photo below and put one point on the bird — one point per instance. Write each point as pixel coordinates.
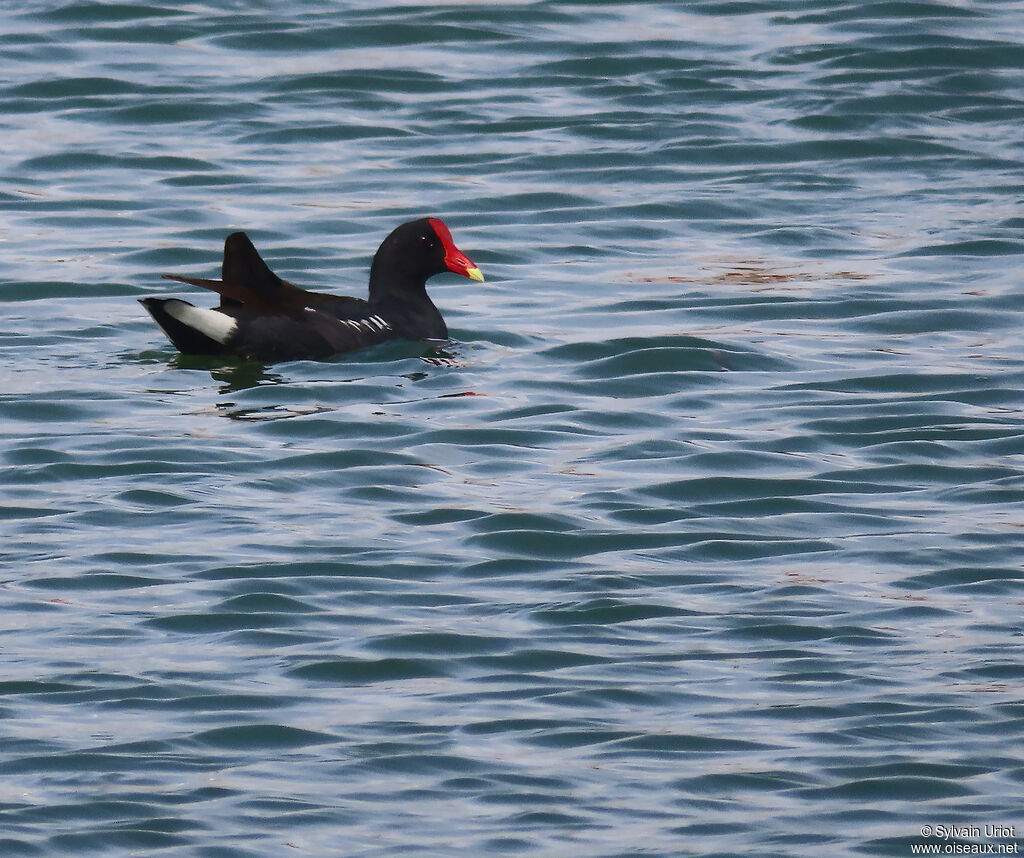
(264, 318)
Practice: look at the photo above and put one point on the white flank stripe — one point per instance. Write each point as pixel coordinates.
(373, 324)
(217, 326)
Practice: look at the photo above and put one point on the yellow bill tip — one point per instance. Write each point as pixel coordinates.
(475, 274)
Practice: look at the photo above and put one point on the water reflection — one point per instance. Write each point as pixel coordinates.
(233, 373)
(244, 376)
(236, 376)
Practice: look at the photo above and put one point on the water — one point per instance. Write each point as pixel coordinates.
(703, 537)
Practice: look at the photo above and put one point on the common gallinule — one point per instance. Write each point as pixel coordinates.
(262, 317)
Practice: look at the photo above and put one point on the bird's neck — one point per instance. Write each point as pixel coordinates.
(406, 306)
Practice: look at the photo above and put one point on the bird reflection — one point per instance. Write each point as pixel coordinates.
(235, 375)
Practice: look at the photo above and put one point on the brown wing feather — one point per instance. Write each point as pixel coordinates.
(290, 300)
(248, 280)
(234, 291)
(243, 264)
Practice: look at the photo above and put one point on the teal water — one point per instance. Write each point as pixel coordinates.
(703, 537)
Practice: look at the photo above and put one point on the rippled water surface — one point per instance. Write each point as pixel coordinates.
(703, 536)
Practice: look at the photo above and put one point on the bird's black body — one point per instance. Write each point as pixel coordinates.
(263, 317)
